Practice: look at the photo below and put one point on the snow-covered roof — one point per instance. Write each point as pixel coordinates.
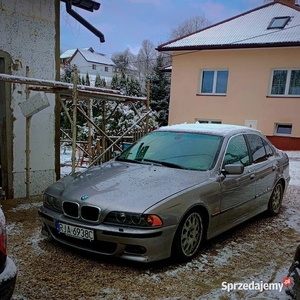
(167, 68)
(216, 129)
(95, 57)
(249, 29)
(69, 53)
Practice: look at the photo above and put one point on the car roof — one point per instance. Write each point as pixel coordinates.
(213, 129)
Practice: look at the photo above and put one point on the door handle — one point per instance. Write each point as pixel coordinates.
(252, 176)
(274, 167)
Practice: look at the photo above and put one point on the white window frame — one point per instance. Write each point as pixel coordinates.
(94, 66)
(106, 69)
(284, 19)
(287, 84)
(282, 134)
(214, 82)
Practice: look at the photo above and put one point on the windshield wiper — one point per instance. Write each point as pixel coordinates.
(164, 163)
(129, 160)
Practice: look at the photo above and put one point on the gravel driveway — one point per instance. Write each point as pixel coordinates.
(259, 251)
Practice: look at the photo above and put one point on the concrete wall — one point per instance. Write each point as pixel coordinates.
(247, 92)
(27, 35)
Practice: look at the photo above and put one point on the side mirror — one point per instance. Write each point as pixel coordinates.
(233, 169)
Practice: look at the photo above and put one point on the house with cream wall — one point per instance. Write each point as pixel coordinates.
(244, 71)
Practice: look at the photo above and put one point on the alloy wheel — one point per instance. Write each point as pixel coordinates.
(191, 234)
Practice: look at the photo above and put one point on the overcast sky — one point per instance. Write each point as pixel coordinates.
(126, 23)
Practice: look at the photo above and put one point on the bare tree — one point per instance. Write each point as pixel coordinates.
(146, 59)
(123, 60)
(189, 26)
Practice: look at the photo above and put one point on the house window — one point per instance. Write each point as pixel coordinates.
(93, 66)
(283, 129)
(286, 82)
(203, 121)
(214, 82)
(278, 22)
(106, 69)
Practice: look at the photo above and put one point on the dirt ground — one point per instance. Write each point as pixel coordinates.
(259, 250)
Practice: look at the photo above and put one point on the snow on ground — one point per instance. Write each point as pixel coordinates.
(26, 206)
(221, 255)
(294, 167)
(66, 161)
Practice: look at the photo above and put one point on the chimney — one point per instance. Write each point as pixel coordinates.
(289, 2)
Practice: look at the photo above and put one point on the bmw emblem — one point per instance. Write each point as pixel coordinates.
(84, 197)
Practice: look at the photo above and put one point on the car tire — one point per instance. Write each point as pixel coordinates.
(275, 200)
(7, 293)
(188, 237)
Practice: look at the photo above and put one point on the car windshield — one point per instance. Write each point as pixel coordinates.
(192, 151)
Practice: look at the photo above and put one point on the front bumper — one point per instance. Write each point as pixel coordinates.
(141, 245)
(8, 280)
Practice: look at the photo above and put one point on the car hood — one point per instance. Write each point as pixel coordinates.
(126, 186)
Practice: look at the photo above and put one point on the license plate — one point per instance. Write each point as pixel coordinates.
(75, 232)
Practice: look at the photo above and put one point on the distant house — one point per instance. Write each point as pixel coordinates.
(244, 70)
(90, 62)
(66, 56)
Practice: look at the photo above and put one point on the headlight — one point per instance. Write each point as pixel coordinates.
(133, 219)
(52, 202)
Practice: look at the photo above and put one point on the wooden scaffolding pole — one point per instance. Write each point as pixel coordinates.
(148, 106)
(90, 115)
(28, 126)
(103, 127)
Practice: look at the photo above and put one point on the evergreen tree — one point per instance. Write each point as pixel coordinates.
(98, 81)
(115, 82)
(68, 74)
(123, 84)
(87, 79)
(160, 92)
(82, 80)
(134, 87)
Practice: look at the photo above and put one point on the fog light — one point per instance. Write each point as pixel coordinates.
(135, 249)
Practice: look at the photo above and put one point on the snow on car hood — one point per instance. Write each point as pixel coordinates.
(127, 186)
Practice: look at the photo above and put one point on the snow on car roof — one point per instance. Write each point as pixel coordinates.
(216, 129)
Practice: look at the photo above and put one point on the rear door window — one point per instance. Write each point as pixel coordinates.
(257, 148)
(268, 148)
